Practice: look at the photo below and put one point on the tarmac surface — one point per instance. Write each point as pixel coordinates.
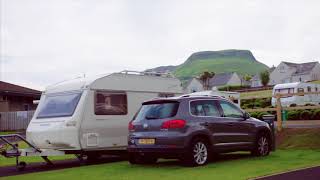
(303, 174)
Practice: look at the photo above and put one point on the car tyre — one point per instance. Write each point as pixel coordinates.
(198, 153)
(136, 158)
(262, 145)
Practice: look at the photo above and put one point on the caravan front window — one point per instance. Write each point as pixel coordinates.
(59, 105)
(285, 91)
(110, 103)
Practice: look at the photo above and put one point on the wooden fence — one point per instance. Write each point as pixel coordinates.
(279, 108)
(12, 121)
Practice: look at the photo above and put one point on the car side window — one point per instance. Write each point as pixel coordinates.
(204, 108)
(230, 110)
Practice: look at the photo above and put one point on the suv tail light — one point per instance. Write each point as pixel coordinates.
(173, 124)
(130, 126)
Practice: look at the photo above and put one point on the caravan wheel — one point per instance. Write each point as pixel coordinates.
(21, 166)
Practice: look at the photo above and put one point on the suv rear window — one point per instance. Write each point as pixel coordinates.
(157, 110)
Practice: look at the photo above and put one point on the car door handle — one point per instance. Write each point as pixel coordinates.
(205, 124)
(230, 124)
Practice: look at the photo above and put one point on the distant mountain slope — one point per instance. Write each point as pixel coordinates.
(240, 61)
(163, 69)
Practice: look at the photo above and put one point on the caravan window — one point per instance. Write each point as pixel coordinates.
(309, 89)
(110, 103)
(300, 90)
(59, 105)
(285, 91)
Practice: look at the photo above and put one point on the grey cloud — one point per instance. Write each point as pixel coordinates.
(60, 39)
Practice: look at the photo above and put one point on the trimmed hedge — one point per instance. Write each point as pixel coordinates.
(258, 115)
(256, 103)
(232, 88)
(313, 114)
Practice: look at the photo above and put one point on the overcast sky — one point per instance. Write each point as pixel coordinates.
(46, 41)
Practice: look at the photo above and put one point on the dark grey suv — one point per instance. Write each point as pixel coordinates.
(193, 128)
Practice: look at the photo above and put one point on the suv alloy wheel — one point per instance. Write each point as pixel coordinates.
(262, 147)
(198, 154)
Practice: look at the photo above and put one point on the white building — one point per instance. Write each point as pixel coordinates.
(287, 72)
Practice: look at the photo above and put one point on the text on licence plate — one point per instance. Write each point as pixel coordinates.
(146, 141)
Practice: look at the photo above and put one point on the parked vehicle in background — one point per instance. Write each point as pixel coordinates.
(232, 96)
(192, 128)
(297, 87)
(90, 115)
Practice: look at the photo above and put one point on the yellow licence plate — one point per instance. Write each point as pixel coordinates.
(146, 141)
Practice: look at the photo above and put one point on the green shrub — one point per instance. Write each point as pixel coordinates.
(305, 115)
(258, 115)
(293, 115)
(232, 88)
(256, 103)
(315, 114)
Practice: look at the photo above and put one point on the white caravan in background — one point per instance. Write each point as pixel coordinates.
(296, 87)
(92, 114)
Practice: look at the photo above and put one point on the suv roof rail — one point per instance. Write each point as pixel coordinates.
(204, 95)
(147, 73)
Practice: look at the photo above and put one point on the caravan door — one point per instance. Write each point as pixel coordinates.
(106, 124)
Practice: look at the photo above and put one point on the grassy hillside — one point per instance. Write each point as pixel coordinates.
(231, 60)
(240, 65)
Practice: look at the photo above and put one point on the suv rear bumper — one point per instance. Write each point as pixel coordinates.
(163, 152)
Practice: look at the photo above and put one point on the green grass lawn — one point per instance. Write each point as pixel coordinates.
(225, 168)
(316, 82)
(11, 161)
(298, 148)
(7, 132)
(257, 94)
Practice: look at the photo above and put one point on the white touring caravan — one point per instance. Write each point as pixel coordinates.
(296, 87)
(93, 114)
(87, 116)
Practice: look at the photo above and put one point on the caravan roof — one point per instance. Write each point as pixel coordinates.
(122, 81)
(291, 85)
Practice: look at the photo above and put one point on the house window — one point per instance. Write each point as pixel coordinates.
(316, 89)
(110, 103)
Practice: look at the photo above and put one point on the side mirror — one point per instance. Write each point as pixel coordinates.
(246, 116)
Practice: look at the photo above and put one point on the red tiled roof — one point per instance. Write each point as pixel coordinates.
(12, 88)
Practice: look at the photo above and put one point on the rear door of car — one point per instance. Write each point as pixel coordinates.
(208, 113)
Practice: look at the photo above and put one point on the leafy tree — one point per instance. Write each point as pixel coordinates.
(265, 77)
(247, 77)
(205, 78)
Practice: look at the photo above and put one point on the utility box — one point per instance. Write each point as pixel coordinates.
(270, 120)
(284, 115)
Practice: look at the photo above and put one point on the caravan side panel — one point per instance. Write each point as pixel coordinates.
(107, 132)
